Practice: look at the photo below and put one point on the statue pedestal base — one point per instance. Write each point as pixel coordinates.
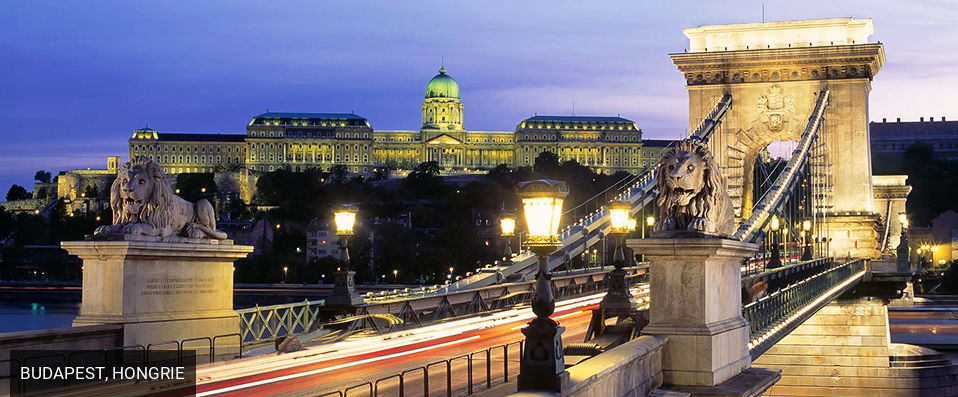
(344, 291)
(542, 366)
(160, 289)
(696, 302)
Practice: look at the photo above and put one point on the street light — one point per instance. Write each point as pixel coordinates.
(285, 270)
(806, 248)
(395, 276)
(542, 366)
(507, 222)
(775, 261)
(344, 289)
(618, 296)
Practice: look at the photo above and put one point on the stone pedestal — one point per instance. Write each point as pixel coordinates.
(344, 291)
(696, 302)
(160, 289)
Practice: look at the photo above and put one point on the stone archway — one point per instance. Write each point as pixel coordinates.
(773, 72)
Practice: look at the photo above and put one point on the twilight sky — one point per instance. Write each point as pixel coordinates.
(78, 77)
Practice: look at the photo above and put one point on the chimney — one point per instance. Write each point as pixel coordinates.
(922, 119)
(898, 120)
(883, 120)
(931, 118)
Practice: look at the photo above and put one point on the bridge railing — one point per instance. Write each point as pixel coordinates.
(267, 323)
(776, 315)
(263, 323)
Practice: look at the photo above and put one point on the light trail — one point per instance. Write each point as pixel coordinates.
(332, 368)
(369, 350)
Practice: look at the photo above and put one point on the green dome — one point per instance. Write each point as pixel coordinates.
(442, 86)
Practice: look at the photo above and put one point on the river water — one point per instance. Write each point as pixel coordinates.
(27, 314)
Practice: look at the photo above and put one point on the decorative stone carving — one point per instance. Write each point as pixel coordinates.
(776, 110)
(143, 204)
(691, 195)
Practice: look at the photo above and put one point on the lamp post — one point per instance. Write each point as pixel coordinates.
(542, 366)
(344, 288)
(806, 248)
(649, 223)
(507, 222)
(904, 262)
(618, 296)
(285, 270)
(395, 276)
(775, 261)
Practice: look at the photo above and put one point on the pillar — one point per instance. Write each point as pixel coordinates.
(159, 289)
(696, 302)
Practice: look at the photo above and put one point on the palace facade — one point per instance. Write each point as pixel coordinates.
(299, 141)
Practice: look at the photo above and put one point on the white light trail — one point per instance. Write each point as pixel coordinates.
(332, 368)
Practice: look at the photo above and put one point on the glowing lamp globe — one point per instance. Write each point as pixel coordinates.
(508, 224)
(619, 216)
(806, 225)
(650, 221)
(903, 219)
(542, 205)
(345, 217)
(775, 224)
(631, 224)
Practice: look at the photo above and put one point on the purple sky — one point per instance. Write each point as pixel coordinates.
(78, 77)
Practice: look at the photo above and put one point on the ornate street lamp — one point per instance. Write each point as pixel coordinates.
(618, 296)
(543, 366)
(806, 248)
(904, 262)
(507, 222)
(775, 261)
(344, 288)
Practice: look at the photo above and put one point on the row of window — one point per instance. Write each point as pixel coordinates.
(610, 138)
(195, 149)
(308, 135)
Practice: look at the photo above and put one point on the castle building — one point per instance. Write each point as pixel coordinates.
(299, 141)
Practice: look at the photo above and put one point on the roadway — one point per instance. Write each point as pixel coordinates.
(336, 366)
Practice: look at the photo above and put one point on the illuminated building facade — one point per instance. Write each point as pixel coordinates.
(299, 141)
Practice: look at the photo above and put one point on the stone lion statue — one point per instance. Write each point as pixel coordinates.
(144, 204)
(691, 196)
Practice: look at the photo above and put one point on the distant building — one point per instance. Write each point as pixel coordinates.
(652, 151)
(321, 239)
(298, 141)
(889, 140)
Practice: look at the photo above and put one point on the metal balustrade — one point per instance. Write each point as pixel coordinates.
(402, 383)
(270, 322)
(267, 323)
(773, 317)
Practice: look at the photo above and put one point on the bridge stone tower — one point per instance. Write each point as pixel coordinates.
(773, 72)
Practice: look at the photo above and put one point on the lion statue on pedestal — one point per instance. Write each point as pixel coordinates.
(691, 196)
(144, 204)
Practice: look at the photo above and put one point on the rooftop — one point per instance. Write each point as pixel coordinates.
(905, 129)
(281, 115)
(200, 137)
(814, 32)
(657, 143)
(597, 119)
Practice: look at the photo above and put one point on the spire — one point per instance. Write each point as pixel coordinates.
(442, 67)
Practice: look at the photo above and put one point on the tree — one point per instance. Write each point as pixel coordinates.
(91, 191)
(338, 174)
(42, 176)
(17, 192)
(424, 181)
(547, 163)
(195, 186)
